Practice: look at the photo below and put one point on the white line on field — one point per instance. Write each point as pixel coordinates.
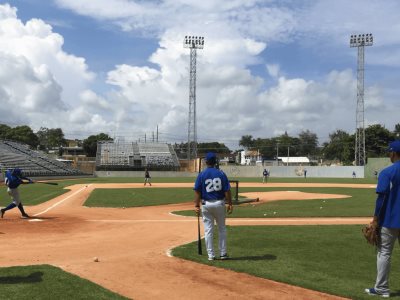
(61, 201)
(168, 252)
(139, 221)
(238, 220)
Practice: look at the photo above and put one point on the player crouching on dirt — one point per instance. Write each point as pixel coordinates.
(13, 178)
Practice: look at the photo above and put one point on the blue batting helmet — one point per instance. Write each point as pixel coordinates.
(16, 172)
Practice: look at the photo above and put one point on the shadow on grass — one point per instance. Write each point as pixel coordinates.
(260, 257)
(32, 278)
(395, 293)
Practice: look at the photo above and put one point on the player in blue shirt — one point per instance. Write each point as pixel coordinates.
(212, 189)
(13, 178)
(387, 217)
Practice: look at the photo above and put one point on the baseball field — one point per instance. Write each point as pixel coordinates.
(103, 238)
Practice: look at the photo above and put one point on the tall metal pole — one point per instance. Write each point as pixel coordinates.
(360, 41)
(277, 154)
(194, 43)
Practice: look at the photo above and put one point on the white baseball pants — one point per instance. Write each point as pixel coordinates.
(214, 210)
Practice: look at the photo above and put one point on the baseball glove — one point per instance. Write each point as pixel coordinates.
(371, 234)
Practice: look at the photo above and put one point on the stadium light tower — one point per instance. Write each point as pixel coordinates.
(360, 41)
(193, 43)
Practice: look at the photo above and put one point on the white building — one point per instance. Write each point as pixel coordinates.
(250, 158)
(294, 160)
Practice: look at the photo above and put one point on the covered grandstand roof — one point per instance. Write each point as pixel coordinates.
(294, 159)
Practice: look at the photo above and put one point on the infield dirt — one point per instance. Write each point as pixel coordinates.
(132, 244)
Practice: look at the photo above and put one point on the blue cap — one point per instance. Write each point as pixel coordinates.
(394, 146)
(210, 156)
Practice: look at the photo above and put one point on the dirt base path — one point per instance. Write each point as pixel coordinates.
(132, 244)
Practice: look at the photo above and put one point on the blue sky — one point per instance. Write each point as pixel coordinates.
(268, 67)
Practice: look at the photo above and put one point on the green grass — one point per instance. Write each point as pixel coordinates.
(48, 282)
(332, 259)
(361, 204)
(138, 197)
(308, 180)
(32, 194)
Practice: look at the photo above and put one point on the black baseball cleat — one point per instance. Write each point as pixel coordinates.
(25, 216)
(373, 292)
(224, 256)
(2, 211)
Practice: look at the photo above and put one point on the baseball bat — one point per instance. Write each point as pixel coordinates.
(49, 183)
(199, 250)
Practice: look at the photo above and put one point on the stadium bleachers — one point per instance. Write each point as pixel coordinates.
(135, 156)
(33, 163)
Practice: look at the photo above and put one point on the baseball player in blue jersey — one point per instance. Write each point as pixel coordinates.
(387, 217)
(212, 189)
(13, 178)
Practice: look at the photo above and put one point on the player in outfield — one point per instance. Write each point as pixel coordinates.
(13, 179)
(387, 217)
(147, 177)
(265, 175)
(212, 189)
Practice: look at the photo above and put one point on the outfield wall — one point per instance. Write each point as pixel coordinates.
(295, 171)
(376, 164)
(252, 171)
(141, 174)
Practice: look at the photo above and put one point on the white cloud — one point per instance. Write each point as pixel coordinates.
(38, 78)
(232, 100)
(273, 70)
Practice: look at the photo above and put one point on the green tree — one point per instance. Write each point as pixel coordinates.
(287, 145)
(24, 134)
(4, 131)
(212, 147)
(377, 138)
(90, 144)
(397, 131)
(340, 147)
(51, 138)
(266, 147)
(246, 141)
(308, 143)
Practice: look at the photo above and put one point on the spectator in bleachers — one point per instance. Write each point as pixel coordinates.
(147, 177)
(13, 178)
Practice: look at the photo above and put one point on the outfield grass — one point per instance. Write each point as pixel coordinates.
(308, 180)
(48, 282)
(138, 197)
(361, 204)
(332, 259)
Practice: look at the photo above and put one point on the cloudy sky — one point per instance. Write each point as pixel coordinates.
(119, 66)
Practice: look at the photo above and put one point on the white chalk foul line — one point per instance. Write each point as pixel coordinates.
(140, 221)
(61, 201)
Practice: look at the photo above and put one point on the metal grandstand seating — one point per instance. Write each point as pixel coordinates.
(134, 155)
(33, 163)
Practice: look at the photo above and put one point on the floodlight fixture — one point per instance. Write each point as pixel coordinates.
(361, 40)
(195, 42)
